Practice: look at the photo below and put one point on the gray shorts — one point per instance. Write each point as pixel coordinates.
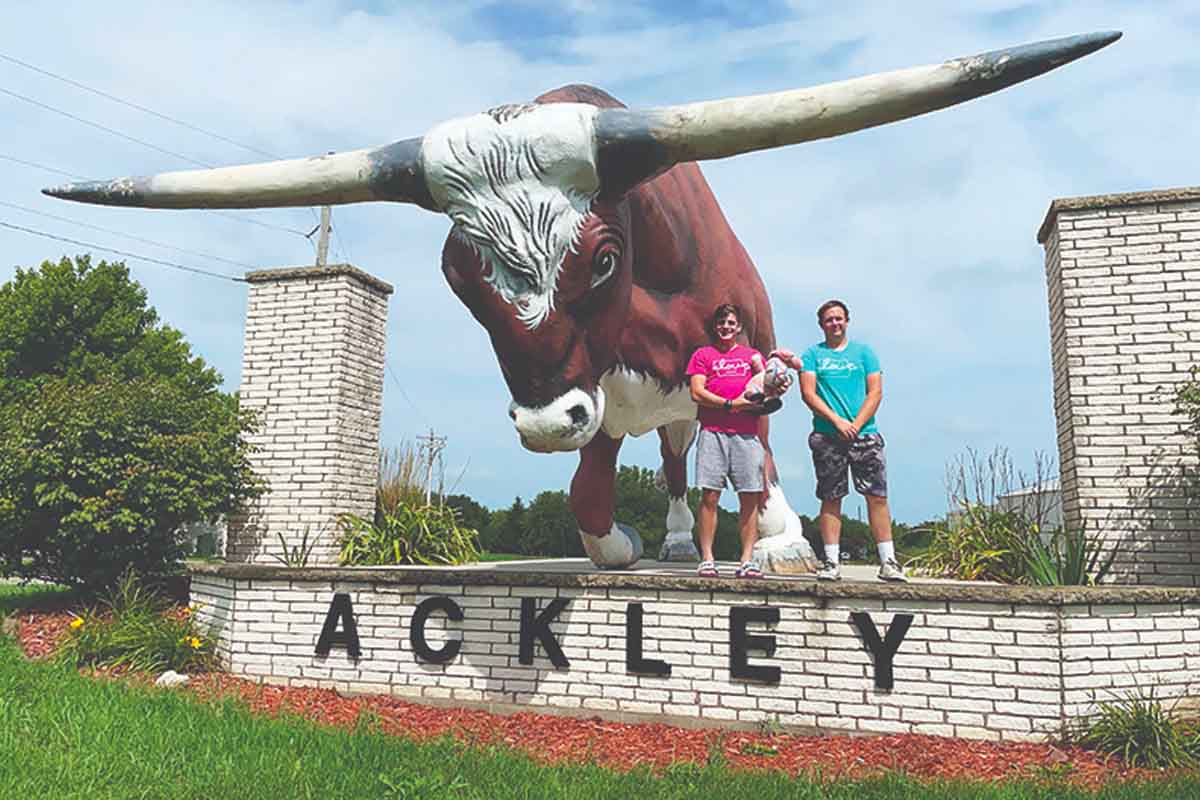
(738, 456)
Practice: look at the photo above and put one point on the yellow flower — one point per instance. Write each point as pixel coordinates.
(195, 643)
(77, 623)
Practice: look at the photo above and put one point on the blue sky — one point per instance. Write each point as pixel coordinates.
(925, 228)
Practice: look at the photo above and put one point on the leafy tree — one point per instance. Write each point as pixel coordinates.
(504, 530)
(550, 528)
(115, 434)
(471, 513)
(642, 505)
(82, 322)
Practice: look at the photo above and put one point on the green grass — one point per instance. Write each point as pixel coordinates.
(15, 596)
(65, 736)
(509, 557)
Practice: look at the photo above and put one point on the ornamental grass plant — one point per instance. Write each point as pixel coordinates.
(1139, 730)
(982, 540)
(135, 628)
(409, 534)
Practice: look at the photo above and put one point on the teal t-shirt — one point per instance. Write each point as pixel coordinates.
(841, 380)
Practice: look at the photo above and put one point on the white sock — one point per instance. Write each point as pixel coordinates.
(887, 551)
(832, 552)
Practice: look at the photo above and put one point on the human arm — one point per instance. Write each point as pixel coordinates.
(701, 396)
(787, 357)
(871, 403)
(808, 391)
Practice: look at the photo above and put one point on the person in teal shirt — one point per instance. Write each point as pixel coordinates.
(841, 381)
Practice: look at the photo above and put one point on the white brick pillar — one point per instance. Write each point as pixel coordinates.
(1123, 277)
(312, 366)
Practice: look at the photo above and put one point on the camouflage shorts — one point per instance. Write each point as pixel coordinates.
(864, 456)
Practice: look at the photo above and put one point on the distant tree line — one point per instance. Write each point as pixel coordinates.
(546, 526)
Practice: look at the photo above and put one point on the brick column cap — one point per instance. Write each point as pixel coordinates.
(1108, 200)
(328, 271)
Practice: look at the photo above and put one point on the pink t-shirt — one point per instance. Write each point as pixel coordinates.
(726, 376)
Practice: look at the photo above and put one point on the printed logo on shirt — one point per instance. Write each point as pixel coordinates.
(838, 365)
(730, 367)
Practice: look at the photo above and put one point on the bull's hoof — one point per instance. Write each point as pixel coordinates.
(678, 546)
(785, 554)
(619, 548)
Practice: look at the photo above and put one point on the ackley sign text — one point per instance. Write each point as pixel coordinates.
(340, 630)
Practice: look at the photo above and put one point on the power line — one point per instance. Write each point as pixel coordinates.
(131, 104)
(125, 253)
(225, 214)
(104, 128)
(141, 108)
(43, 166)
(404, 394)
(70, 221)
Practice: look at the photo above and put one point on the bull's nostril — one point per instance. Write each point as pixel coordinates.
(578, 414)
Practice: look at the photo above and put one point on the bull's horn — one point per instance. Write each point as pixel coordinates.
(392, 172)
(635, 145)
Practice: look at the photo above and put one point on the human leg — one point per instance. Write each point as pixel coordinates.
(868, 464)
(830, 462)
(706, 522)
(748, 522)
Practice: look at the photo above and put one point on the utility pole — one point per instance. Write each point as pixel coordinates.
(431, 448)
(323, 241)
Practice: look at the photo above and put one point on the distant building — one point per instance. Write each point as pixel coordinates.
(1040, 503)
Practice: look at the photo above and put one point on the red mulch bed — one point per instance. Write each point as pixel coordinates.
(623, 746)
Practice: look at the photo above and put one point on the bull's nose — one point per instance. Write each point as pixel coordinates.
(567, 422)
(578, 414)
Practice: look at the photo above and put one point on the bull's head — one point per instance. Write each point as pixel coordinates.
(538, 251)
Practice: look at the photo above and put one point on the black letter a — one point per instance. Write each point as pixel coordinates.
(339, 609)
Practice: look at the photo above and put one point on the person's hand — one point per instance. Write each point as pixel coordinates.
(784, 355)
(846, 429)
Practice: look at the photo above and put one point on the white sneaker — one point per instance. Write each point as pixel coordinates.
(829, 571)
(891, 570)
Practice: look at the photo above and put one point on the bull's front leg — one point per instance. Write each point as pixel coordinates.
(676, 438)
(609, 544)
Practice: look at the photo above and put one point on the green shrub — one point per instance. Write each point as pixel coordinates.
(99, 477)
(115, 435)
(408, 535)
(1140, 732)
(134, 627)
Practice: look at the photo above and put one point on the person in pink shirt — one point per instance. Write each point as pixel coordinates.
(727, 446)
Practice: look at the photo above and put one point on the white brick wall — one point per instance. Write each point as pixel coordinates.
(1011, 666)
(312, 365)
(1123, 278)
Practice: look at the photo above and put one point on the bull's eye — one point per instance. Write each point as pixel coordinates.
(604, 263)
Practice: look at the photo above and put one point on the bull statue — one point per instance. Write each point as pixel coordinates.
(588, 244)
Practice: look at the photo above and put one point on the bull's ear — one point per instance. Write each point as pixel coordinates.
(634, 146)
(392, 172)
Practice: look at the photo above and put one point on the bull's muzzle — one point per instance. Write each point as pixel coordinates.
(566, 423)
